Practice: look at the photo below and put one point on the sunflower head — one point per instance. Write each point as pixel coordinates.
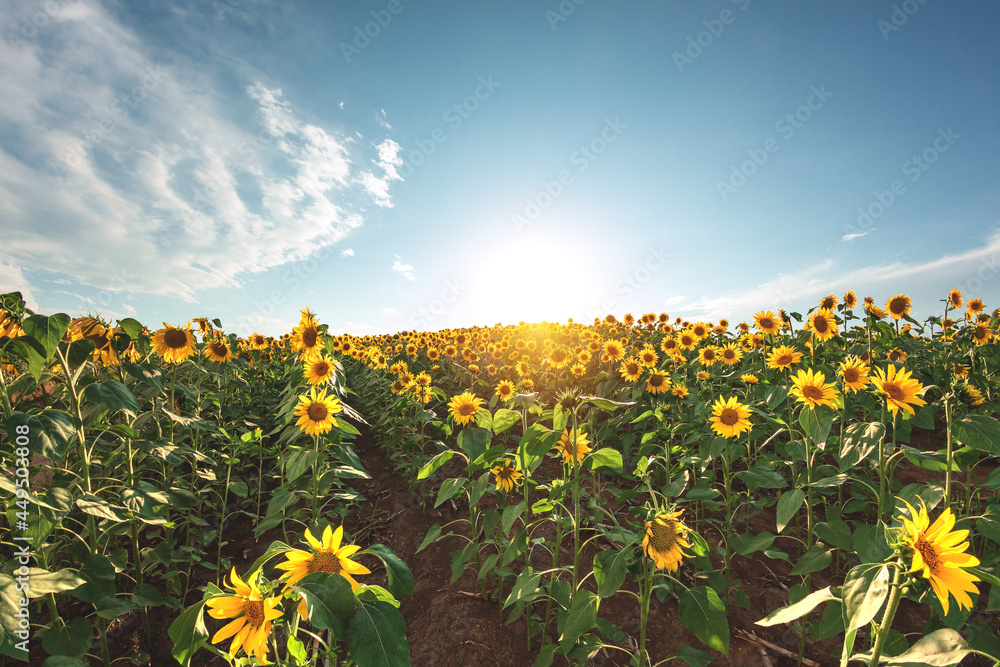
(665, 539)
(507, 475)
(316, 412)
(573, 445)
(252, 615)
(730, 418)
(464, 406)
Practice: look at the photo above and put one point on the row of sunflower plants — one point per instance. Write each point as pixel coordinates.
(809, 425)
(134, 458)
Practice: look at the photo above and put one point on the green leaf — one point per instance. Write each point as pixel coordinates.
(47, 330)
(580, 618)
(188, 633)
(859, 441)
(524, 587)
(503, 419)
(400, 577)
(788, 504)
(69, 639)
(606, 457)
(50, 432)
(377, 637)
(762, 476)
(44, 582)
(94, 506)
(979, 432)
(863, 593)
(428, 469)
(132, 328)
(9, 606)
(817, 422)
(815, 559)
(745, 544)
(79, 351)
(692, 657)
(605, 404)
(99, 573)
(451, 488)
(799, 609)
(835, 533)
(330, 601)
(474, 441)
(940, 648)
(510, 515)
(113, 395)
(146, 595)
(704, 614)
(537, 440)
(609, 571)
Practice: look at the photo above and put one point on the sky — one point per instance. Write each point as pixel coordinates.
(396, 165)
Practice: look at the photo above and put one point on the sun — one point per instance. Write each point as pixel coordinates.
(534, 276)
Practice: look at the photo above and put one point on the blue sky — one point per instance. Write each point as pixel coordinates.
(399, 165)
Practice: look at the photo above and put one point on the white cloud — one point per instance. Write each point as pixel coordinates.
(133, 172)
(12, 280)
(405, 269)
(389, 161)
(857, 235)
(382, 120)
(347, 252)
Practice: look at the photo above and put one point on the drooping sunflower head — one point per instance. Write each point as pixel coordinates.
(573, 445)
(939, 555)
(665, 540)
(173, 344)
(955, 299)
(217, 351)
(749, 378)
(316, 412)
(507, 475)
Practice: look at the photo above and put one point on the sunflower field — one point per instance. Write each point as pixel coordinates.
(817, 489)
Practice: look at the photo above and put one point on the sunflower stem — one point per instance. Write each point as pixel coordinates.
(895, 593)
(645, 595)
(949, 455)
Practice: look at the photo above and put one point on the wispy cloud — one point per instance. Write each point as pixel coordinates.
(129, 162)
(404, 269)
(857, 235)
(389, 161)
(347, 252)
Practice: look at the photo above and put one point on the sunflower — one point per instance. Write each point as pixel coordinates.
(783, 357)
(174, 344)
(327, 556)
(507, 475)
(257, 342)
(749, 378)
(94, 330)
(708, 355)
(680, 391)
(686, 340)
(505, 390)
(809, 389)
(558, 358)
(850, 299)
(464, 406)
(306, 337)
(318, 370)
(315, 412)
(217, 351)
(614, 350)
(981, 334)
(669, 345)
(767, 322)
(960, 370)
(701, 330)
(252, 614)
(854, 373)
(702, 376)
(974, 395)
(828, 302)
(450, 350)
(666, 536)
(573, 448)
(579, 370)
(898, 306)
(631, 369)
(823, 324)
(955, 299)
(974, 307)
(730, 354)
(938, 554)
(900, 389)
(730, 417)
(896, 356)
(657, 383)
(648, 357)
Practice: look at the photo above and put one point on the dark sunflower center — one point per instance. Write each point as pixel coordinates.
(893, 390)
(821, 325)
(632, 369)
(979, 333)
(784, 360)
(321, 368)
(254, 611)
(828, 303)
(812, 391)
(766, 323)
(894, 355)
(466, 409)
(504, 390)
(729, 417)
(663, 538)
(897, 306)
(656, 381)
(175, 339)
(851, 375)
(309, 337)
(729, 355)
(709, 355)
(325, 562)
(928, 552)
(318, 412)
